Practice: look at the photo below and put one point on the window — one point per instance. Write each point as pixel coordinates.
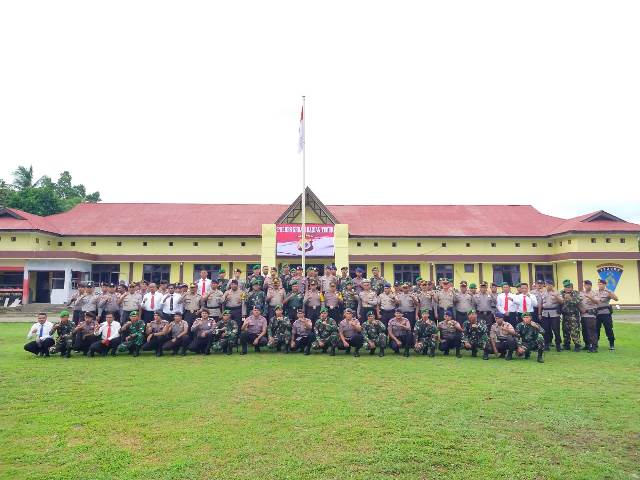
(394, 244)
(549, 244)
(93, 244)
(242, 244)
(154, 272)
(607, 240)
(213, 269)
(353, 266)
(171, 244)
(419, 244)
(593, 240)
(358, 244)
(506, 273)
(48, 242)
(105, 272)
(517, 244)
(469, 267)
(37, 240)
(220, 244)
(444, 244)
(11, 280)
(118, 244)
(468, 245)
(73, 244)
(195, 244)
(493, 244)
(534, 244)
(622, 240)
(444, 270)
(569, 242)
(59, 244)
(406, 272)
(144, 244)
(560, 242)
(544, 273)
(13, 239)
(375, 244)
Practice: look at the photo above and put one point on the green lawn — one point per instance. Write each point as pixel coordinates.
(275, 416)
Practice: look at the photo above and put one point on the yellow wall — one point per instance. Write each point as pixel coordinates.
(567, 271)
(341, 242)
(268, 250)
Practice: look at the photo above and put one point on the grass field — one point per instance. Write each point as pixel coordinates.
(275, 416)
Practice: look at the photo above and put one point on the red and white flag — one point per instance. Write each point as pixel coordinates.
(301, 131)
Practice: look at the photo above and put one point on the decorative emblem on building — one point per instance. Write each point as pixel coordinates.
(610, 273)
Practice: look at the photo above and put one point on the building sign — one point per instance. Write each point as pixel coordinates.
(610, 273)
(318, 242)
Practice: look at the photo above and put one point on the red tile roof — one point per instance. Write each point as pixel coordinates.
(157, 219)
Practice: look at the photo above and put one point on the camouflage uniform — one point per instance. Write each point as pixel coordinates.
(294, 302)
(136, 330)
(327, 333)
(477, 337)
(279, 333)
(571, 319)
(377, 284)
(425, 333)
(64, 341)
(350, 299)
(374, 331)
(530, 337)
(225, 343)
(256, 299)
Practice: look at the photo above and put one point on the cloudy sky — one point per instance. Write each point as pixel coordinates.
(479, 102)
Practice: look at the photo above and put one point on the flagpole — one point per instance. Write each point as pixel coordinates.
(304, 187)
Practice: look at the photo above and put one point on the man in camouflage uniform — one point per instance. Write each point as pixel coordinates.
(349, 296)
(134, 334)
(225, 334)
(425, 333)
(375, 335)
(256, 298)
(294, 300)
(474, 333)
(326, 331)
(571, 317)
(279, 331)
(65, 329)
(377, 282)
(530, 337)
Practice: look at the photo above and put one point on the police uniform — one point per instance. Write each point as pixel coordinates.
(604, 317)
(351, 332)
(484, 304)
(400, 328)
(549, 318)
(589, 302)
(463, 302)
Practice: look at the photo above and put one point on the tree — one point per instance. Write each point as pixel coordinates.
(43, 196)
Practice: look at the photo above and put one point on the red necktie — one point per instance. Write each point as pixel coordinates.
(506, 303)
(203, 283)
(108, 330)
(153, 303)
(524, 304)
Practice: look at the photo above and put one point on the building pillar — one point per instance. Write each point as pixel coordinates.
(25, 286)
(579, 268)
(268, 251)
(341, 242)
(480, 273)
(67, 284)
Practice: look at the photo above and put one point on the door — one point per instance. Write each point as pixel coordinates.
(43, 287)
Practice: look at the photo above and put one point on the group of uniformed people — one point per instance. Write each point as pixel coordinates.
(288, 311)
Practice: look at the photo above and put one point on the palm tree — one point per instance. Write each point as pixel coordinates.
(23, 178)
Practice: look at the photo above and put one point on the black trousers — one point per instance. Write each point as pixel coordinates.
(551, 327)
(461, 317)
(38, 348)
(512, 318)
(364, 313)
(590, 331)
(236, 314)
(182, 342)
(356, 341)
(147, 316)
(201, 344)
(503, 346)
(411, 316)
(247, 338)
(312, 313)
(386, 315)
(125, 316)
(488, 318)
(606, 320)
(447, 342)
(99, 347)
(335, 313)
(406, 341)
(155, 344)
(78, 316)
(190, 317)
(302, 343)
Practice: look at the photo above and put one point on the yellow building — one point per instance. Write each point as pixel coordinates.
(43, 258)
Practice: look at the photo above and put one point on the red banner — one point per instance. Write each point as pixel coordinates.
(318, 242)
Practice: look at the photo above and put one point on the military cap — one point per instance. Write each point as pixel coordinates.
(226, 312)
(463, 283)
(300, 310)
(133, 314)
(215, 280)
(526, 314)
(504, 284)
(406, 284)
(494, 284)
(285, 265)
(237, 270)
(445, 280)
(278, 307)
(587, 282)
(348, 310)
(418, 279)
(365, 281)
(424, 310)
(222, 270)
(370, 314)
(192, 285)
(112, 285)
(293, 282)
(234, 281)
(324, 309)
(299, 267)
(429, 282)
(344, 268)
(397, 310)
(64, 313)
(566, 282)
(256, 267)
(473, 310)
(540, 281)
(472, 285)
(313, 282)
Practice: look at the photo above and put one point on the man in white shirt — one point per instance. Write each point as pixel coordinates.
(525, 302)
(41, 332)
(171, 303)
(108, 334)
(151, 302)
(506, 305)
(204, 283)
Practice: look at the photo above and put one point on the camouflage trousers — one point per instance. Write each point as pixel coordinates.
(279, 340)
(330, 341)
(571, 329)
(219, 343)
(63, 344)
(380, 342)
(423, 345)
(537, 344)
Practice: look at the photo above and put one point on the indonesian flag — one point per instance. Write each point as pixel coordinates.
(301, 131)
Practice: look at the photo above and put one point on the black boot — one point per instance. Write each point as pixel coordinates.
(567, 346)
(406, 351)
(183, 351)
(611, 345)
(458, 354)
(509, 355)
(228, 349)
(307, 349)
(333, 352)
(372, 351)
(558, 348)
(446, 352)
(527, 354)
(67, 354)
(356, 353)
(592, 349)
(287, 349)
(474, 352)
(381, 352)
(348, 351)
(432, 352)
(158, 352)
(485, 356)
(136, 351)
(540, 353)
(577, 348)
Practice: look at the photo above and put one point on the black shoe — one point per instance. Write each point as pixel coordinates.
(458, 354)
(287, 349)
(381, 352)
(333, 352)
(591, 349)
(243, 352)
(348, 351)
(356, 353)
(567, 346)
(113, 353)
(406, 351)
(474, 352)
(577, 348)
(485, 356)
(558, 348)
(372, 351)
(509, 355)
(136, 352)
(611, 346)
(446, 353)
(307, 350)
(432, 352)
(540, 359)
(67, 354)
(527, 354)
